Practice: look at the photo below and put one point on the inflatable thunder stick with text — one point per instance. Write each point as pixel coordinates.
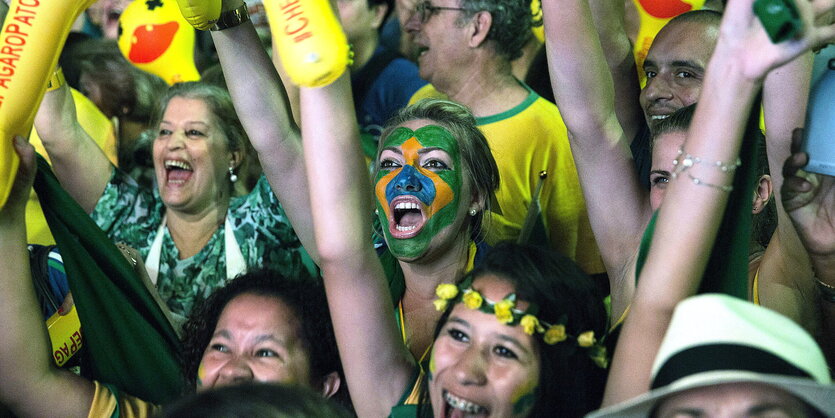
(309, 39)
(33, 34)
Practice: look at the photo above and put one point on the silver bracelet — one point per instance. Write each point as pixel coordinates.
(684, 161)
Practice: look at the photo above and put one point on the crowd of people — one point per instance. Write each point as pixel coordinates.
(427, 235)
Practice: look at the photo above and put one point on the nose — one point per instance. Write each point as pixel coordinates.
(471, 367)
(175, 141)
(407, 180)
(236, 370)
(657, 88)
(412, 24)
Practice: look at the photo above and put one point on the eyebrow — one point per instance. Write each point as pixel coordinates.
(430, 149)
(676, 63)
(392, 149)
(187, 122)
(661, 172)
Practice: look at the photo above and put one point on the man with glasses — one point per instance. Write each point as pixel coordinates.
(465, 51)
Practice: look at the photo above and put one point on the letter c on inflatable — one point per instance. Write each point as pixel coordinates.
(309, 40)
(33, 34)
(155, 37)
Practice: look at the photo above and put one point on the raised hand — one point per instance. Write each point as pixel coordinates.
(742, 31)
(809, 200)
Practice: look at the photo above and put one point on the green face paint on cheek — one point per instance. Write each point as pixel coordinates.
(201, 374)
(414, 177)
(524, 397)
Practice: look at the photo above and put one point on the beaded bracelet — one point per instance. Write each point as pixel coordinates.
(231, 18)
(682, 164)
(827, 291)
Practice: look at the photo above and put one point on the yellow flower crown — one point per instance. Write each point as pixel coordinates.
(507, 313)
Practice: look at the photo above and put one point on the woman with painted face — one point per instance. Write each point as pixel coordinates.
(261, 327)
(519, 336)
(192, 234)
(432, 186)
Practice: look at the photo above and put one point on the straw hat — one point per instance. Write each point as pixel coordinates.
(716, 339)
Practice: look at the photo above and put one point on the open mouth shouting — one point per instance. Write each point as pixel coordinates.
(177, 172)
(455, 407)
(408, 216)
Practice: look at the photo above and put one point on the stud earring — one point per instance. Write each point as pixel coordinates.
(473, 212)
(377, 211)
(232, 176)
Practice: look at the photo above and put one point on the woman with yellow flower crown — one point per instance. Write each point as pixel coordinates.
(518, 336)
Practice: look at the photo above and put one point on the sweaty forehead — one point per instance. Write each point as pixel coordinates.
(428, 136)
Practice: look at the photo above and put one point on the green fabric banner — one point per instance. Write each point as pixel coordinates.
(127, 340)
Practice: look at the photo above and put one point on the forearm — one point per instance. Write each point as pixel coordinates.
(25, 362)
(78, 162)
(354, 280)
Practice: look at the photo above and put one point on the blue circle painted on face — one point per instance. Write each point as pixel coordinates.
(411, 182)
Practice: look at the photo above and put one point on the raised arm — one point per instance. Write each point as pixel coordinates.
(584, 93)
(608, 18)
(81, 166)
(785, 275)
(809, 200)
(26, 368)
(377, 364)
(677, 261)
(264, 111)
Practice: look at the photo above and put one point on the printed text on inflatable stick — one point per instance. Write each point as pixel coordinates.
(19, 21)
(296, 22)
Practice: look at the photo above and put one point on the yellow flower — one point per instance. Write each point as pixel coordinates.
(472, 299)
(554, 334)
(586, 339)
(598, 355)
(504, 311)
(446, 291)
(440, 304)
(530, 324)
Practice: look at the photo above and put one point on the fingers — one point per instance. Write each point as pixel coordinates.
(797, 140)
(66, 307)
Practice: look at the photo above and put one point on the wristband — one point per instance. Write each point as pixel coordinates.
(56, 80)
(231, 18)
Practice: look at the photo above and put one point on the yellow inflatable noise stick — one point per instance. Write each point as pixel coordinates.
(33, 34)
(654, 15)
(309, 40)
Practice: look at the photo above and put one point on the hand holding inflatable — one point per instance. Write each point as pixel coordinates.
(202, 14)
(309, 40)
(33, 34)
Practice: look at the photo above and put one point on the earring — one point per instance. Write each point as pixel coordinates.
(377, 211)
(473, 212)
(232, 176)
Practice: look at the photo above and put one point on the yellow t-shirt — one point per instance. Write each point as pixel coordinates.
(525, 140)
(105, 404)
(96, 124)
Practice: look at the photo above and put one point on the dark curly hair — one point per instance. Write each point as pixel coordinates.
(304, 295)
(571, 384)
(512, 23)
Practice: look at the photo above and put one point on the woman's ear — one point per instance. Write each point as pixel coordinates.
(762, 194)
(331, 384)
(237, 158)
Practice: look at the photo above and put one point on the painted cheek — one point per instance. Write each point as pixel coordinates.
(383, 182)
(524, 397)
(201, 375)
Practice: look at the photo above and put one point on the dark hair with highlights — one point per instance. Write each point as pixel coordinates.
(570, 383)
(304, 295)
(479, 165)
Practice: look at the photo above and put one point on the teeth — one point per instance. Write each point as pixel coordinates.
(178, 164)
(660, 117)
(406, 205)
(405, 228)
(463, 405)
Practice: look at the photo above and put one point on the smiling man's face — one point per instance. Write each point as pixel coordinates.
(675, 68)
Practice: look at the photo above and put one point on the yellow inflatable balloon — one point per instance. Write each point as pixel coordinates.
(538, 31)
(309, 39)
(155, 37)
(654, 15)
(33, 33)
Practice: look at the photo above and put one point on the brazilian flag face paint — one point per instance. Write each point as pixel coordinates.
(418, 187)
